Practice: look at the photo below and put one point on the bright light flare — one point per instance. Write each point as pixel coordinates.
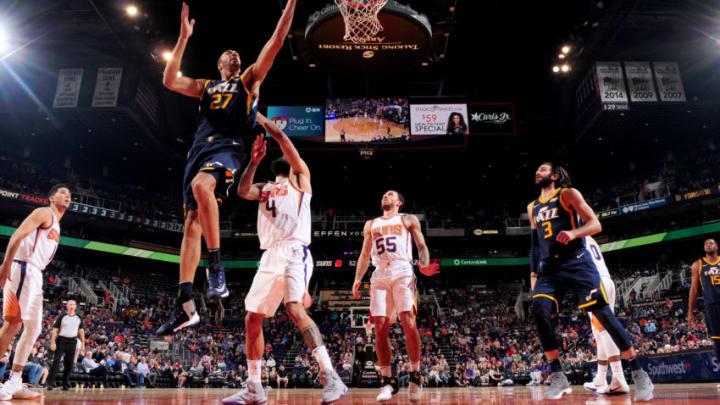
(565, 49)
(561, 56)
(556, 69)
(179, 74)
(167, 55)
(565, 68)
(131, 10)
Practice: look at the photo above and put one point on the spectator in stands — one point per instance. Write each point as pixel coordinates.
(282, 377)
(92, 368)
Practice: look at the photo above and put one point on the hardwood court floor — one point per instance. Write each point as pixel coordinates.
(676, 394)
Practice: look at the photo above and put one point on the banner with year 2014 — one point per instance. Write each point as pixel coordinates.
(610, 83)
(439, 119)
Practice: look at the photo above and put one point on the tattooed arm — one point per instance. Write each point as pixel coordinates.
(424, 264)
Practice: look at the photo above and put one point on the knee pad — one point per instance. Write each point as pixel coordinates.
(613, 327)
(542, 308)
(27, 340)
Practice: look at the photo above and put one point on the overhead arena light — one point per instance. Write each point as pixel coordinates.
(3, 40)
(167, 55)
(565, 49)
(565, 68)
(131, 10)
(561, 56)
(556, 68)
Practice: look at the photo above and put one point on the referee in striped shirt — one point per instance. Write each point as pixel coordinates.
(66, 330)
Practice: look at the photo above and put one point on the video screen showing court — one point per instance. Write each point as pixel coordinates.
(367, 120)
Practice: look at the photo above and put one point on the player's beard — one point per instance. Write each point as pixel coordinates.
(545, 182)
(386, 207)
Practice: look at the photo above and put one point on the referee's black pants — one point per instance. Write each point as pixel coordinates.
(65, 348)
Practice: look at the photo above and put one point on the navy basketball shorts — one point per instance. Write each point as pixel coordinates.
(712, 320)
(576, 273)
(221, 158)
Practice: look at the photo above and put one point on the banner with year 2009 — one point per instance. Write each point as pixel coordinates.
(640, 82)
(439, 119)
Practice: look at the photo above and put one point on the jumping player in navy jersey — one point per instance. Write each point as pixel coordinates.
(560, 220)
(706, 275)
(228, 109)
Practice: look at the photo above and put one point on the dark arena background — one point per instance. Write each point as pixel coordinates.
(454, 103)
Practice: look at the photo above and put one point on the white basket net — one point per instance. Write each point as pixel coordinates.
(361, 21)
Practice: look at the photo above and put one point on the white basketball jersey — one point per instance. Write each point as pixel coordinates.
(594, 249)
(39, 247)
(390, 242)
(283, 215)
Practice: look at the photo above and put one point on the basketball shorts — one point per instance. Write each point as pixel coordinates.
(283, 276)
(23, 293)
(609, 287)
(712, 320)
(390, 296)
(575, 273)
(221, 158)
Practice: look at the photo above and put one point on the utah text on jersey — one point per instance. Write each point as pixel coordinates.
(714, 274)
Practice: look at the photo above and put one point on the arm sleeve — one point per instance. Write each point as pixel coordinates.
(58, 321)
(533, 251)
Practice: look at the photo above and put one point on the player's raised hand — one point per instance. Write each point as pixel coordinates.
(565, 237)
(259, 148)
(186, 25)
(431, 270)
(356, 289)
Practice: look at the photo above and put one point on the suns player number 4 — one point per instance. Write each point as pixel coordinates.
(270, 206)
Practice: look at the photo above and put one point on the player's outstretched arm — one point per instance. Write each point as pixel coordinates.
(572, 198)
(39, 217)
(694, 287)
(183, 85)
(533, 248)
(246, 188)
(364, 260)
(289, 151)
(426, 268)
(261, 67)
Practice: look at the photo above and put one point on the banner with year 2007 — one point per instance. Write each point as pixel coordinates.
(439, 119)
(669, 82)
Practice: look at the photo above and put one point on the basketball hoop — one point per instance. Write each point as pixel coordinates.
(361, 21)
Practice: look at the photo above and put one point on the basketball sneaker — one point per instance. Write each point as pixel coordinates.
(216, 281)
(596, 385)
(179, 319)
(388, 388)
(253, 393)
(14, 388)
(334, 387)
(643, 385)
(558, 386)
(25, 393)
(414, 388)
(615, 388)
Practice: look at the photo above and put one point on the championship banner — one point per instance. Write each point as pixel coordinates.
(610, 83)
(68, 88)
(669, 82)
(491, 119)
(298, 121)
(107, 87)
(640, 82)
(439, 119)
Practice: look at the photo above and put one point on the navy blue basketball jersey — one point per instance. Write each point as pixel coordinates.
(227, 110)
(710, 281)
(552, 216)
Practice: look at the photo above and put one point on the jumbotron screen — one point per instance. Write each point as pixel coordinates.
(367, 120)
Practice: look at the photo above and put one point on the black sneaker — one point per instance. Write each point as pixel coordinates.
(179, 319)
(216, 281)
(66, 388)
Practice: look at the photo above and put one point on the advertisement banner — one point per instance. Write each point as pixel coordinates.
(9, 194)
(669, 82)
(298, 121)
(439, 119)
(68, 88)
(491, 119)
(697, 366)
(610, 83)
(691, 195)
(644, 205)
(640, 82)
(107, 87)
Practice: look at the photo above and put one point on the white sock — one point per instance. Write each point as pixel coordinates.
(386, 371)
(16, 375)
(602, 373)
(617, 372)
(254, 370)
(415, 366)
(321, 356)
